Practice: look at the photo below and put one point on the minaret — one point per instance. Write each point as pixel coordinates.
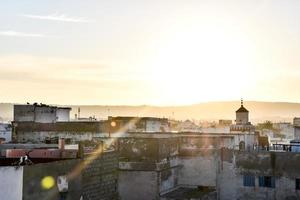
(242, 115)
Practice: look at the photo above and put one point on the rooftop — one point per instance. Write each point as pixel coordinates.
(242, 109)
(191, 193)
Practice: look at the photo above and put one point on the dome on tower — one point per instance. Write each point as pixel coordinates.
(242, 108)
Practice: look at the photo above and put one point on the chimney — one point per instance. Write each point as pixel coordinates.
(61, 144)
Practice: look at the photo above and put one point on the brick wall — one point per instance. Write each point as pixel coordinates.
(100, 177)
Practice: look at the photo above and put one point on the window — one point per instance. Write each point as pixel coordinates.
(267, 181)
(297, 183)
(249, 180)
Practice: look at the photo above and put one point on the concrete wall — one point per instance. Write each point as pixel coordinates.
(11, 183)
(63, 115)
(168, 179)
(148, 167)
(40, 113)
(297, 132)
(157, 126)
(39, 132)
(200, 170)
(24, 113)
(153, 126)
(41, 137)
(32, 113)
(138, 149)
(281, 166)
(137, 185)
(45, 114)
(188, 143)
(6, 132)
(34, 174)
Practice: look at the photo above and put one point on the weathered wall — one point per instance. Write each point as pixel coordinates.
(199, 142)
(297, 132)
(138, 149)
(168, 148)
(34, 174)
(45, 114)
(148, 167)
(147, 149)
(40, 113)
(153, 126)
(283, 166)
(100, 177)
(275, 163)
(6, 132)
(11, 183)
(196, 142)
(63, 114)
(168, 179)
(198, 170)
(41, 137)
(248, 139)
(24, 113)
(61, 126)
(137, 185)
(28, 132)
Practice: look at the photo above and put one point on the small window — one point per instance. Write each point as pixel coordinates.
(297, 183)
(267, 181)
(249, 180)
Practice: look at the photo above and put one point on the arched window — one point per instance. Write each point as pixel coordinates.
(242, 146)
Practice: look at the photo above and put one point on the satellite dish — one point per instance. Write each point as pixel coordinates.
(62, 184)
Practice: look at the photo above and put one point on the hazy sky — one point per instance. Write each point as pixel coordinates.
(162, 52)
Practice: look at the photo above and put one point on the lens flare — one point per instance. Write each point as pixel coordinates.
(47, 182)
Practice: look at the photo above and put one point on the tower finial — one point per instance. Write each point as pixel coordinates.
(242, 102)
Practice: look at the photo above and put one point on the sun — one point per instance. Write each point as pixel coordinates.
(192, 66)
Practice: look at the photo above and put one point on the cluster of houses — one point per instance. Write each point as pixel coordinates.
(143, 158)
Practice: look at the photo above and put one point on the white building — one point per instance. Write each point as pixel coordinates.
(138, 124)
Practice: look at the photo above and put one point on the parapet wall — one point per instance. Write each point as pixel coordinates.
(60, 126)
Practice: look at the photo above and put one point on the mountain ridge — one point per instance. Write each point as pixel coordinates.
(259, 110)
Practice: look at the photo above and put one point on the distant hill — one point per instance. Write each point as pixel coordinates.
(259, 111)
